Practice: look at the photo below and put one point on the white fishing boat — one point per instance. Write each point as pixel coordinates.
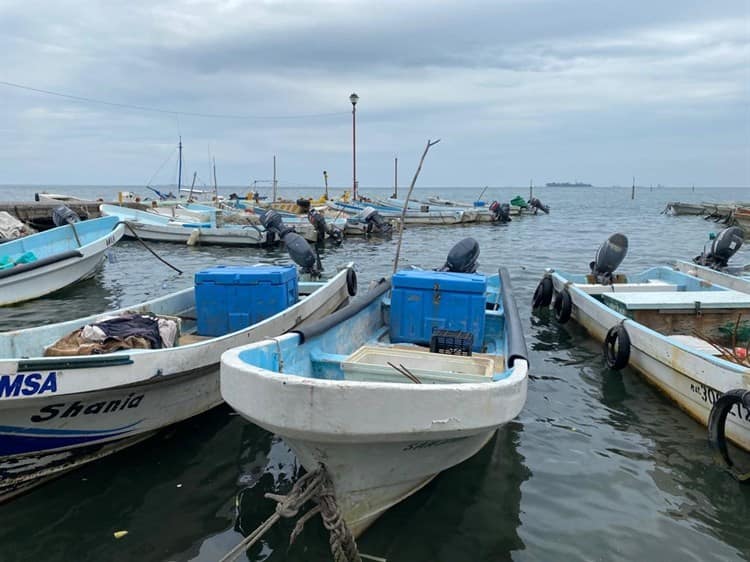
(158, 228)
(677, 208)
(59, 412)
(42, 263)
(378, 398)
(673, 328)
(453, 216)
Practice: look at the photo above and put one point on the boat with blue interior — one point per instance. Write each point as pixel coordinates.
(408, 380)
(42, 263)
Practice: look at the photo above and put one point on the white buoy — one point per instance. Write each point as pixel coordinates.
(193, 238)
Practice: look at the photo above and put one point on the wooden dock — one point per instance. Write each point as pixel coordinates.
(39, 215)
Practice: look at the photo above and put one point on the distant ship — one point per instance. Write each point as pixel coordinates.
(568, 184)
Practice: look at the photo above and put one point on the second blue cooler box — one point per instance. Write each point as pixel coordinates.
(229, 298)
(425, 300)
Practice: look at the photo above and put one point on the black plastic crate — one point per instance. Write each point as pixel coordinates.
(451, 342)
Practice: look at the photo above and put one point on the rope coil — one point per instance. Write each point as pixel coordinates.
(315, 486)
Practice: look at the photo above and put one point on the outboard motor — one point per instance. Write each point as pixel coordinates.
(608, 257)
(375, 222)
(62, 216)
(463, 257)
(537, 205)
(323, 229)
(500, 212)
(302, 254)
(717, 252)
(274, 225)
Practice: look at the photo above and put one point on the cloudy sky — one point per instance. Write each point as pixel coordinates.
(549, 90)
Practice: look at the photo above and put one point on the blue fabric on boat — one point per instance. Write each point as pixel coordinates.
(132, 325)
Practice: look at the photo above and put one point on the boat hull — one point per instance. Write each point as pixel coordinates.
(693, 380)
(379, 442)
(371, 477)
(44, 280)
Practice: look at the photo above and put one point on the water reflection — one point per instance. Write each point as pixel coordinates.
(165, 492)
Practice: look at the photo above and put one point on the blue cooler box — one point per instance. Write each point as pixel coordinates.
(423, 300)
(229, 298)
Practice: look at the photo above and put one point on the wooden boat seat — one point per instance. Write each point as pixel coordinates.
(677, 301)
(695, 343)
(654, 286)
(370, 363)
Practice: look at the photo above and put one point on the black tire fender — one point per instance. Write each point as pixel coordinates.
(543, 294)
(351, 282)
(617, 347)
(563, 306)
(717, 421)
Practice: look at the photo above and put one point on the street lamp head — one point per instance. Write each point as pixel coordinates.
(354, 98)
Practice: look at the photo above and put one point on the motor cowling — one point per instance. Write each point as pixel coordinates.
(463, 257)
(63, 215)
(718, 252)
(537, 205)
(374, 221)
(608, 258)
(500, 212)
(302, 254)
(274, 225)
(317, 219)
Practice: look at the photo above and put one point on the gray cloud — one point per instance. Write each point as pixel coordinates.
(490, 78)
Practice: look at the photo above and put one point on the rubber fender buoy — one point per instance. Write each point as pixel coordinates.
(543, 294)
(351, 282)
(717, 421)
(617, 347)
(563, 306)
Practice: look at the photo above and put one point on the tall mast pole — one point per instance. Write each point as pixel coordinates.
(179, 169)
(274, 177)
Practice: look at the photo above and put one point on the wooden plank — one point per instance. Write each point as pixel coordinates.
(678, 300)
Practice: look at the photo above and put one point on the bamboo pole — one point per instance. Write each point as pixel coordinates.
(406, 202)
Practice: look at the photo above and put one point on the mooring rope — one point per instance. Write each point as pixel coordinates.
(315, 486)
(157, 256)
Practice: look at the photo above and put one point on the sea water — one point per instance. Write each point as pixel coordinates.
(598, 466)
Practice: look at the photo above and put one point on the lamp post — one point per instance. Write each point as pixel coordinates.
(354, 98)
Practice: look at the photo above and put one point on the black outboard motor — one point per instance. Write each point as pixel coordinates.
(302, 254)
(608, 257)
(323, 229)
(717, 253)
(62, 215)
(463, 257)
(537, 205)
(274, 225)
(375, 223)
(500, 212)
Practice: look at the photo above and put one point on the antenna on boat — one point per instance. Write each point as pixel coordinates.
(406, 202)
(275, 183)
(395, 178)
(179, 167)
(325, 179)
(216, 186)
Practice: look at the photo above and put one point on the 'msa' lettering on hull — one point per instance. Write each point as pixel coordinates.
(27, 384)
(79, 408)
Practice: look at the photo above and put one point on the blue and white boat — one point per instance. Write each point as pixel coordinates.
(60, 411)
(40, 264)
(673, 328)
(405, 382)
